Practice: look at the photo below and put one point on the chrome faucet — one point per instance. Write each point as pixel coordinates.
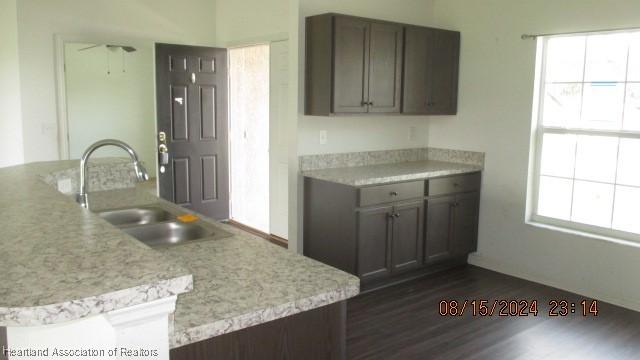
(141, 173)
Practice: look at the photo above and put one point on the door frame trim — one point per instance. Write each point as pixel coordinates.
(62, 115)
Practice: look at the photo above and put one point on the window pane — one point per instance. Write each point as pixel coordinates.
(561, 104)
(632, 108)
(629, 163)
(606, 57)
(626, 209)
(602, 106)
(554, 197)
(558, 155)
(565, 59)
(596, 158)
(634, 58)
(592, 203)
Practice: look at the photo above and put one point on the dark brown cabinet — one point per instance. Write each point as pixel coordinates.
(356, 65)
(374, 242)
(430, 79)
(390, 232)
(452, 223)
(406, 253)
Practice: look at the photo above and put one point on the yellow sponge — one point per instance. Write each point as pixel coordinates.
(187, 218)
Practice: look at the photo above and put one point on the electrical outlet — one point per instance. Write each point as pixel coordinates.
(411, 135)
(323, 137)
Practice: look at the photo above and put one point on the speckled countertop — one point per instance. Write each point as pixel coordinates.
(388, 173)
(238, 281)
(60, 262)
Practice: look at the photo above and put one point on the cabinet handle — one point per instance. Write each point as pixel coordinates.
(363, 103)
(397, 215)
(393, 193)
(370, 103)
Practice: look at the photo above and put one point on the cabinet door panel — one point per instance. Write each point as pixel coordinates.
(374, 240)
(407, 236)
(351, 65)
(385, 68)
(466, 223)
(443, 54)
(414, 94)
(439, 229)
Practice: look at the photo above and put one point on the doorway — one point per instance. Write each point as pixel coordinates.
(249, 136)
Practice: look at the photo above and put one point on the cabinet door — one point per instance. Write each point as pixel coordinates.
(385, 68)
(439, 229)
(351, 65)
(465, 227)
(443, 53)
(408, 236)
(414, 94)
(374, 241)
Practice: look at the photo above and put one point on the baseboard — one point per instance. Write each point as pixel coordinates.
(516, 271)
(270, 237)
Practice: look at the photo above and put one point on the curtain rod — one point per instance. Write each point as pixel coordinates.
(534, 36)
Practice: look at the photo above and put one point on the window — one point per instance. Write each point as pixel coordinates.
(587, 163)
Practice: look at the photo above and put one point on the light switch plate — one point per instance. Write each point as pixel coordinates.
(323, 137)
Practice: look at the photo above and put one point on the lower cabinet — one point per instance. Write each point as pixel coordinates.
(390, 232)
(390, 239)
(451, 223)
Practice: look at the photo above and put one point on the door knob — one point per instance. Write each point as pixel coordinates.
(393, 193)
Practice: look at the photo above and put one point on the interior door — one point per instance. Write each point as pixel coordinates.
(351, 65)
(191, 91)
(385, 68)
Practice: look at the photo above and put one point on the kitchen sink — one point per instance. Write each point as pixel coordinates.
(136, 216)
(173, 233)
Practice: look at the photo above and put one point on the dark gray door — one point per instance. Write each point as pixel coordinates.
(191, 90)
(351, 65)
(414, 99)
(466, 223)
(374, 242)
(385, 68)
(439, 229)
(407, 236)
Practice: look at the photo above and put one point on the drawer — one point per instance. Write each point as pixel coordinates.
(389, 193)
(454, 184)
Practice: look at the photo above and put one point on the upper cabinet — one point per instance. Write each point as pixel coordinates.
(353, 66)
(430, 79)
(357, 66)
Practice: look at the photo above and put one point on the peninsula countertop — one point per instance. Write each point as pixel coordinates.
(60, 262)
(392, 172)
(238, 281)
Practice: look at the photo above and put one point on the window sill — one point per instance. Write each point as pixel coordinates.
(599, 237)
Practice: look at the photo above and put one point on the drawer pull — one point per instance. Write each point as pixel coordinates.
(393, 193)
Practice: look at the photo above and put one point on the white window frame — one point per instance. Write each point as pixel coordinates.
(538, 132)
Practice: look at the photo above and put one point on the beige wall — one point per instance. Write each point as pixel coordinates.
(496, 91)
(11, 147)
(39, 20)
(361, 133)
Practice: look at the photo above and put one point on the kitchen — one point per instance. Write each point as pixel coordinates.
(360, 192)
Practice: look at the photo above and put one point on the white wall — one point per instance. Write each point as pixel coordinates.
(495, 102)
(110, 94)
(249, 21)
(188, 22)
(362, 133)
(11, 147)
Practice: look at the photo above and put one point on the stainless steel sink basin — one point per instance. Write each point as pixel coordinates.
(136, 216)
(173, 233)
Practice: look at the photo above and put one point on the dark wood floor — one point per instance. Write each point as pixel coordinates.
(403, 322)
